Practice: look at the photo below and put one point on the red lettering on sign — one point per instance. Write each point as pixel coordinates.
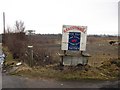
(75, 27)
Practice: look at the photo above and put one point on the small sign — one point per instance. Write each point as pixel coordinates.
(74, 37)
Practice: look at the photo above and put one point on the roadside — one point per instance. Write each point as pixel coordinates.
(54, 76)
(24, 82)
(108, 70)
(67, 72)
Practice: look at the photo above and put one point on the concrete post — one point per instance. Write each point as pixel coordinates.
(30, 51)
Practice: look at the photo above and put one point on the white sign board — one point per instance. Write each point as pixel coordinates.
(74, 37)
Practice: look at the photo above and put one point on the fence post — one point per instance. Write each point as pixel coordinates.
(30, 51)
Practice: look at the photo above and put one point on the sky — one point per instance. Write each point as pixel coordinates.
(48, 16)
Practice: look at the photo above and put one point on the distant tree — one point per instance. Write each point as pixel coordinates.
(19, 26)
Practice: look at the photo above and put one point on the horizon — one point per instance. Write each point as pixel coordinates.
(61, 34)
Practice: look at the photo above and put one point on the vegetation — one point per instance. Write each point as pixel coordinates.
(17, 42)
(104, 63)
(104, 72)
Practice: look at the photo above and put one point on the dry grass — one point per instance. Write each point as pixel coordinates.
(104, 64)
(107, 71)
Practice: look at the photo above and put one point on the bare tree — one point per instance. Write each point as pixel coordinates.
(8, 30)
(19, 26)
(15, 40)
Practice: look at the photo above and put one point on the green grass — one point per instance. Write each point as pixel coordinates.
(9, 55)
(9, 61)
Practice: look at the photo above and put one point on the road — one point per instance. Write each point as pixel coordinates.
(7, 81)
(0, 78)
(23, 82)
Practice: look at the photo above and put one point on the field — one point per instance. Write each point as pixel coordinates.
(97, 46)
(103, 63)
(100, 50)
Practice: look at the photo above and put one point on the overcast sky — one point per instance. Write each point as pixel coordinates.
(48, 16)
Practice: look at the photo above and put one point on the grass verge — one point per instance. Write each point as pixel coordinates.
(88, 73)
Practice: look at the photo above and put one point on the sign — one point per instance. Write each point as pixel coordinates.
(74, 38)
(74, 41)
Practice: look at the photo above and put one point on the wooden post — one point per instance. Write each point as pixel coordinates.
(81, 52)
(4, 22)
(65, 52)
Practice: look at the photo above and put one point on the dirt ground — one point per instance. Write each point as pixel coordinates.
(98, 47)
(100, 50)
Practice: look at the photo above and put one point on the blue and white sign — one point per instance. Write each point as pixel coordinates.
(74, 41)
(74, 38)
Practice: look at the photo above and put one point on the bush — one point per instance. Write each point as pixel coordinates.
(116, 62)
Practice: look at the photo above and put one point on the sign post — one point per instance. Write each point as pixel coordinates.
(73, 39)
